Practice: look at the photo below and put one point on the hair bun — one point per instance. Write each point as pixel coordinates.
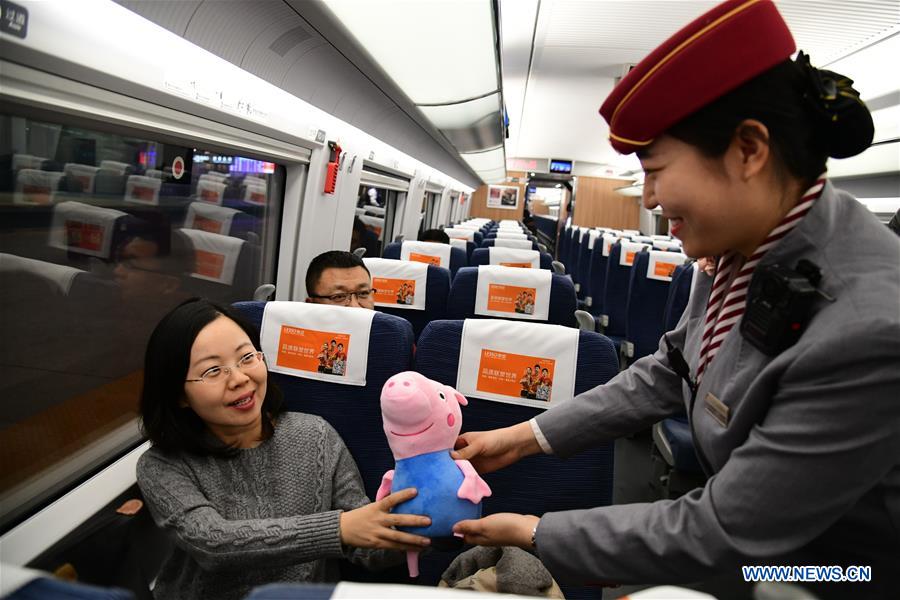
(847, 127)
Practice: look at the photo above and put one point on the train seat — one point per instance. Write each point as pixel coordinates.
(537, 484)
(588, 243)
(562, 246)
(79, 178)
(353, 410)
(679, 293)
(219, 219)
(651, 277)
(210, 189)
(437, 289)
(43, 587)
(456, 261)
(597, 272)
(615, 292)
(675, 443)
(484, 256)
(464, 288)
(36, 187)
(468, 246)
(140, 189)
(509, 243)
(223, 266)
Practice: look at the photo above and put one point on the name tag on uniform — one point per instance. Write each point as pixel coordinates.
(717, 409)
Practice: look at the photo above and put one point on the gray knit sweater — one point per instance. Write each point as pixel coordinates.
(269, 514)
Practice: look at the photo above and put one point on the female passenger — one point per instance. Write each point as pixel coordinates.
(252, 495)
(795, 414)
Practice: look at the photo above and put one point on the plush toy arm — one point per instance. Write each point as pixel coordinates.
(385, 488)
(473, 487)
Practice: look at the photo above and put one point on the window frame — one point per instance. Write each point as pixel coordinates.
(37, 95)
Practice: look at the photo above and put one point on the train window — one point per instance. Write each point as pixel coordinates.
(101, 234)
(369, 228)
(431, 205)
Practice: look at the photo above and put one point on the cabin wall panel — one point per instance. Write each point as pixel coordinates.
(479, 200)
(597, 205)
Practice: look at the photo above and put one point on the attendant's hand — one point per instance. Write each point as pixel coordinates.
(501, 529)
(370, 526)
(492, 450)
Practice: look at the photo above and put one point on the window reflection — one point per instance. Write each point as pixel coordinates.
(100, 235)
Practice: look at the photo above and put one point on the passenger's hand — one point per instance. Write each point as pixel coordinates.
(492, 450)
(501, 529)
(370, 526)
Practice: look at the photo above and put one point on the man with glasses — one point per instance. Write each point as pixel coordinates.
(341, 279)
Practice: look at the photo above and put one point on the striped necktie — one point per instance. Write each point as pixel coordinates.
(727, 298)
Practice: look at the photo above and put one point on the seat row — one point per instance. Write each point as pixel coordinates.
(626, 284)
(443, 352)
(458, 297)
(634, 307)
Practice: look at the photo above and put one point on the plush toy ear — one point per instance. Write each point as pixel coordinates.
(460, 398)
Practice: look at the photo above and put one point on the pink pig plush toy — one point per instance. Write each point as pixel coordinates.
(422, 421)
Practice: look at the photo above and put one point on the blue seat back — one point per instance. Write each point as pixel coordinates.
(597, 277)
(43, 588)
(537, 484)
(437, 289)
(574, 255)
(481, 256)
(584, 267)
(615, 292)
(565, 245)
(646, 306)
(679, 294)
(458, 258)
(354, 411)
(461, 303)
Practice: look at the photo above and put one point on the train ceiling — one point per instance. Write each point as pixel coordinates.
(561, 58)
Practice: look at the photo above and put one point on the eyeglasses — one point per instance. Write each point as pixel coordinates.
(344, 297)
(218, 373)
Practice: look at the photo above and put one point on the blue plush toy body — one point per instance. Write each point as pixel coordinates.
(437, 478)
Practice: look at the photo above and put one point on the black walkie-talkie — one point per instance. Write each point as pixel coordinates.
(779, 303)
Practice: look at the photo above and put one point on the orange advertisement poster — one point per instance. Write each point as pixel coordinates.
(208, 264)
(515, 375)
(86, 236)
(394, 291)
(663, 269)
(37, 194)
(511, 299)
(143, 193)
(629, 257)
(425, 258)
(516, 264)
(314, 351)
(207, 224)
(211, 196)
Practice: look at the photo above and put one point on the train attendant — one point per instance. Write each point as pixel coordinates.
(791, 370)
(252, 495)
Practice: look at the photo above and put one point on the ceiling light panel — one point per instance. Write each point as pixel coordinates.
(454, 116)
(437, 51)
(486, 161)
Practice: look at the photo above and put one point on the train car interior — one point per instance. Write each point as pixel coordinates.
(155, 151)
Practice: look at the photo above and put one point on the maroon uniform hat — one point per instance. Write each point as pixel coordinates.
(714, 54)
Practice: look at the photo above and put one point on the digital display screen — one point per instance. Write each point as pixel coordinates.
(560, 166)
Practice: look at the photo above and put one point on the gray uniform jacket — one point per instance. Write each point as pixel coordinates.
(805, 471)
